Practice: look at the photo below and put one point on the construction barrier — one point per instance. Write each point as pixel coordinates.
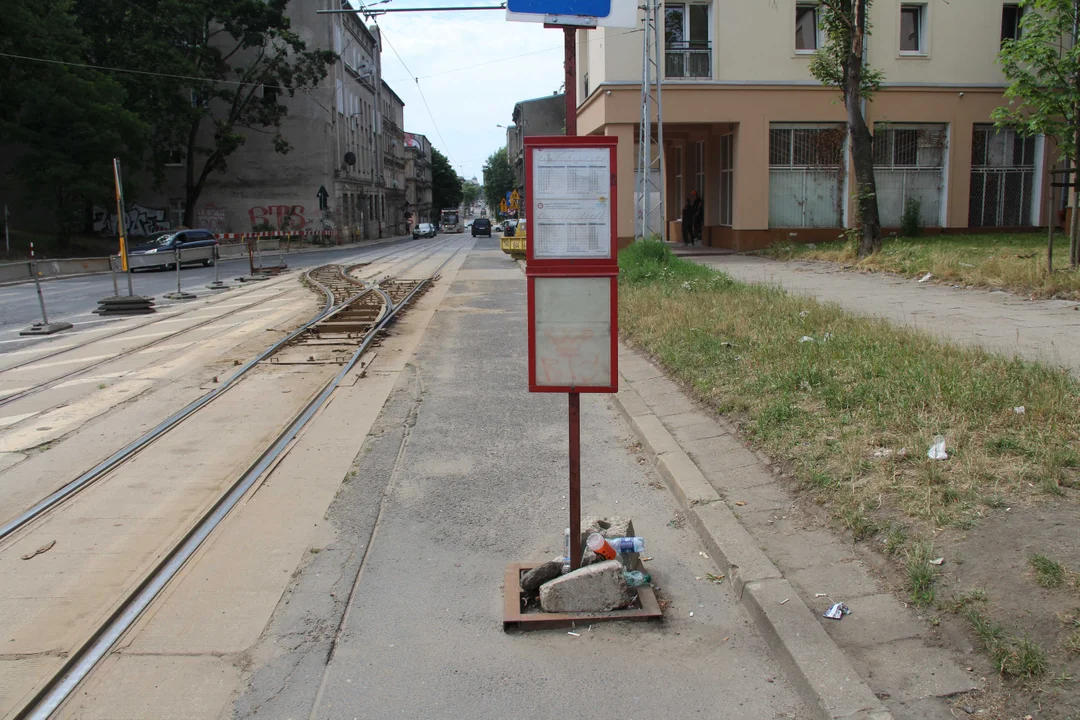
(19, 271)
(514, 246)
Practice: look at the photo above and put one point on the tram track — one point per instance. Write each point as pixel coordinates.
(52, 382)
(124, 614)
(341, 287)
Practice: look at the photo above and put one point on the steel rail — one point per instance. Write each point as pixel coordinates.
(220, 299)
(49, 384)
(83, 660)
(122, 455)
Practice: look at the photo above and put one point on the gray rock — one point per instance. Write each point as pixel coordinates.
(609, 527)
(597, 588)
(539, 575)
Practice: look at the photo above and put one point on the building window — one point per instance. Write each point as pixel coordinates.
(1003, 173)
(806, 28)
(727, 171)
(176, 211)
(687, 52)
(806, 175)
(586, 93)
(1010, 22)
(909, 162)
(699, 169)
(177, 158)
(678, 178)
(913, 29)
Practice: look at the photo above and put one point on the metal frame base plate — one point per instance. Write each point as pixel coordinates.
(43, 329)
(514, 616)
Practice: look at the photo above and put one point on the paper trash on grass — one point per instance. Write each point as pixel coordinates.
(806, 338)
(1019, 409)
(938, 561)
(937, 450)
(926, 277)
(837, 611)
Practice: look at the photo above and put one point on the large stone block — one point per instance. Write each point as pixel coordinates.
(609, 527)
(596, 588)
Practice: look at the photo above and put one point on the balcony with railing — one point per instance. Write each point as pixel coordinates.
(690, 60)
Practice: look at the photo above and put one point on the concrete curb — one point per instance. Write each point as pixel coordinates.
(816, 666)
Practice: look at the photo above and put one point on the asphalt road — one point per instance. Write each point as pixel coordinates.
(74, 299)
(399, 612)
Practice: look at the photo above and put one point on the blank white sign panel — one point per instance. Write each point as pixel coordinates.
(573, 331)
(571, 197)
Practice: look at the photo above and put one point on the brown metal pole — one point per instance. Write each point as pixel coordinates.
(570, 88)
(1050, 221)
(575, 481)
(570, 84)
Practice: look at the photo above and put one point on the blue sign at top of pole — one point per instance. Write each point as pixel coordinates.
(588, 8)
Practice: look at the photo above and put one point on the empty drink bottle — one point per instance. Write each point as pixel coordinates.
(600, 546)
(628, 544)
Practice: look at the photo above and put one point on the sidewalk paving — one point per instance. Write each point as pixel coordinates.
(1042, 330)
(400, 613)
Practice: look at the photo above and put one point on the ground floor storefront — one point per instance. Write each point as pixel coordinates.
(773, 163)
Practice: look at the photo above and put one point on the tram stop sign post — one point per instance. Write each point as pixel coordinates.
(572, 274)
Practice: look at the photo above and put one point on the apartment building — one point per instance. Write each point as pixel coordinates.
(537, 116)
(392, 141)
(765, 145)
(346, 138)
(418, 191)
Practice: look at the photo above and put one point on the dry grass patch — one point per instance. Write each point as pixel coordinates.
(1013, 262)
(851, 405)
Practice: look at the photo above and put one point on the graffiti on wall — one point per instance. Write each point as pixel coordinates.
(328, 219)
(139, 220)
(277, 217)
(211, 217)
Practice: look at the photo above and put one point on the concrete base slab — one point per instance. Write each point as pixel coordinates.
(46, 328)
(197, 687)
(179, 296)
(874, 620)
(843, 582)
(910, 668)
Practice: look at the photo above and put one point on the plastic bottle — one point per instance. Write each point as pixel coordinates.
(566, 551)
(636, 578)
(600, 546)
(628, 544)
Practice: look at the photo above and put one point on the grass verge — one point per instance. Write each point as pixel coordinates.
(1049, 573)
(1014, 262)
(920, 573)
(1013, 656)
(849, 404)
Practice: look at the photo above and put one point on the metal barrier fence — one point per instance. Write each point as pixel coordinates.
(19, 271)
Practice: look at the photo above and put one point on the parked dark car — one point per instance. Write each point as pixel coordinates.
(167, 242)
(481, 226)
(426, 230)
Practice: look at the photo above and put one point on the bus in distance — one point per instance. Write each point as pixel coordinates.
(450, 221)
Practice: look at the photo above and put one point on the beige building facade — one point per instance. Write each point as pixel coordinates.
(764, 144)
(418, 192)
